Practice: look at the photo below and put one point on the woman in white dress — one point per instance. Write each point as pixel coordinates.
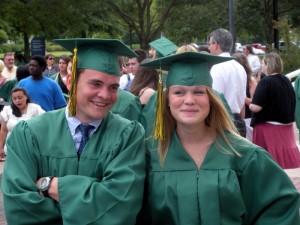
(20, 109)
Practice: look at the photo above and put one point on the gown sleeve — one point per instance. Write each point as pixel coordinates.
(270, 197)
(117, 198)
(22, 202)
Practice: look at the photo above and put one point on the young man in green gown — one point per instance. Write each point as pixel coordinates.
(48, 180)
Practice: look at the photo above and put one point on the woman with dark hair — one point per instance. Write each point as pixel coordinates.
(20, 109)
(61, 76)
(251, 86)
(145, 83)
(51, 68)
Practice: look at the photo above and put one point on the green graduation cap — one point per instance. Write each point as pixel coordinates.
(97, 54)
(187, 68)
(163, 46)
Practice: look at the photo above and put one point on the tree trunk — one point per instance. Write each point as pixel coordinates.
(26, 45)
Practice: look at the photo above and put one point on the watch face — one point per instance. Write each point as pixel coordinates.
(44, 184)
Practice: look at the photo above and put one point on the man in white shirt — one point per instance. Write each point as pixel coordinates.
(253, 59)
(10, 70)
(132, 65)
(229, 77)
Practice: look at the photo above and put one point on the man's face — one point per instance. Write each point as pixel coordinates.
(96, 94)
(133, 65)
(9, 61)
(35, 69)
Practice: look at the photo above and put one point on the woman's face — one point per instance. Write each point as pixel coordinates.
(189, 105)
(63, 66)
(19, 99)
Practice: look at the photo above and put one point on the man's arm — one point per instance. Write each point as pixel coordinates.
(22, 202)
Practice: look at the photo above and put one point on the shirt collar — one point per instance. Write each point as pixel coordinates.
(73, 122)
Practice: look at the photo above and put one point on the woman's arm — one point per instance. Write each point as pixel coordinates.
(255, 108)
(3, 135)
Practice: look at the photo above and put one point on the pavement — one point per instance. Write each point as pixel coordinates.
(294, 174)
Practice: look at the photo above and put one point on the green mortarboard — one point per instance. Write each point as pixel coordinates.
(187, 68)
(97, 54)
(163, 46)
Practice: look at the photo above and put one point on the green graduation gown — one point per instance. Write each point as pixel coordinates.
(104, 187)
(5, 90)
(127, 106)
(226, 190)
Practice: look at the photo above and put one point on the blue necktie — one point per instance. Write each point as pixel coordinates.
(84, 129)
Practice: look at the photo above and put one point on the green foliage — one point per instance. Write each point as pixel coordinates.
(3, 36)
(291, 59)
(11, 48)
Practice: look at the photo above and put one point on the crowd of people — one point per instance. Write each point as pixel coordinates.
(118, 136)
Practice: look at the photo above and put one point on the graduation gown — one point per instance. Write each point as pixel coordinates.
(226, 190)
(104, 187)
(128, 106)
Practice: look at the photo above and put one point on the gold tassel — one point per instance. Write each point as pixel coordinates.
(72, 99)
(158, 129)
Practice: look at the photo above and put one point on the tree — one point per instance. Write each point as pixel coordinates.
(145, 18)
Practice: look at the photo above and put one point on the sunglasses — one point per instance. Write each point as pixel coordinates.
(51, 58)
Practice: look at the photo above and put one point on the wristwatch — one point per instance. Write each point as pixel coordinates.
(44, 186)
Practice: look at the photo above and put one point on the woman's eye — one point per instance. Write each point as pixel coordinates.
(178, 92)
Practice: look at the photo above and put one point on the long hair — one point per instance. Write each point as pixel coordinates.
(242, 59)
(218, 120)
(15, 110)
(145, 77)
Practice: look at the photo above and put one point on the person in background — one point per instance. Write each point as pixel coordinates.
(273, 107)
(229, 78)
(9, 71)
(61, 77)
(41, 89)
(253, 60)
(250, 89)
(20, 109)
(297, 108)
(132, 64)
(83, 164)
(20, 59)
(5, 90)
(202, 166)
(162, 47)
(145, 83)
(3, 79)
(51, 68)
(203, 49)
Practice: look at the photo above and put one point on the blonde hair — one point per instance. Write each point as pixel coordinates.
(186, 48)
(2, 65)
(273, 62)
(218, 120)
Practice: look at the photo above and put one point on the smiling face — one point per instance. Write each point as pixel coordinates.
(96, 94)
(20, 99)
(189, 105)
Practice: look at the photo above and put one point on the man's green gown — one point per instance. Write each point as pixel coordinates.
(104, 187)
(127, 106)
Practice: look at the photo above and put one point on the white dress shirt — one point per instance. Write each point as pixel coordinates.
(230, 79)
